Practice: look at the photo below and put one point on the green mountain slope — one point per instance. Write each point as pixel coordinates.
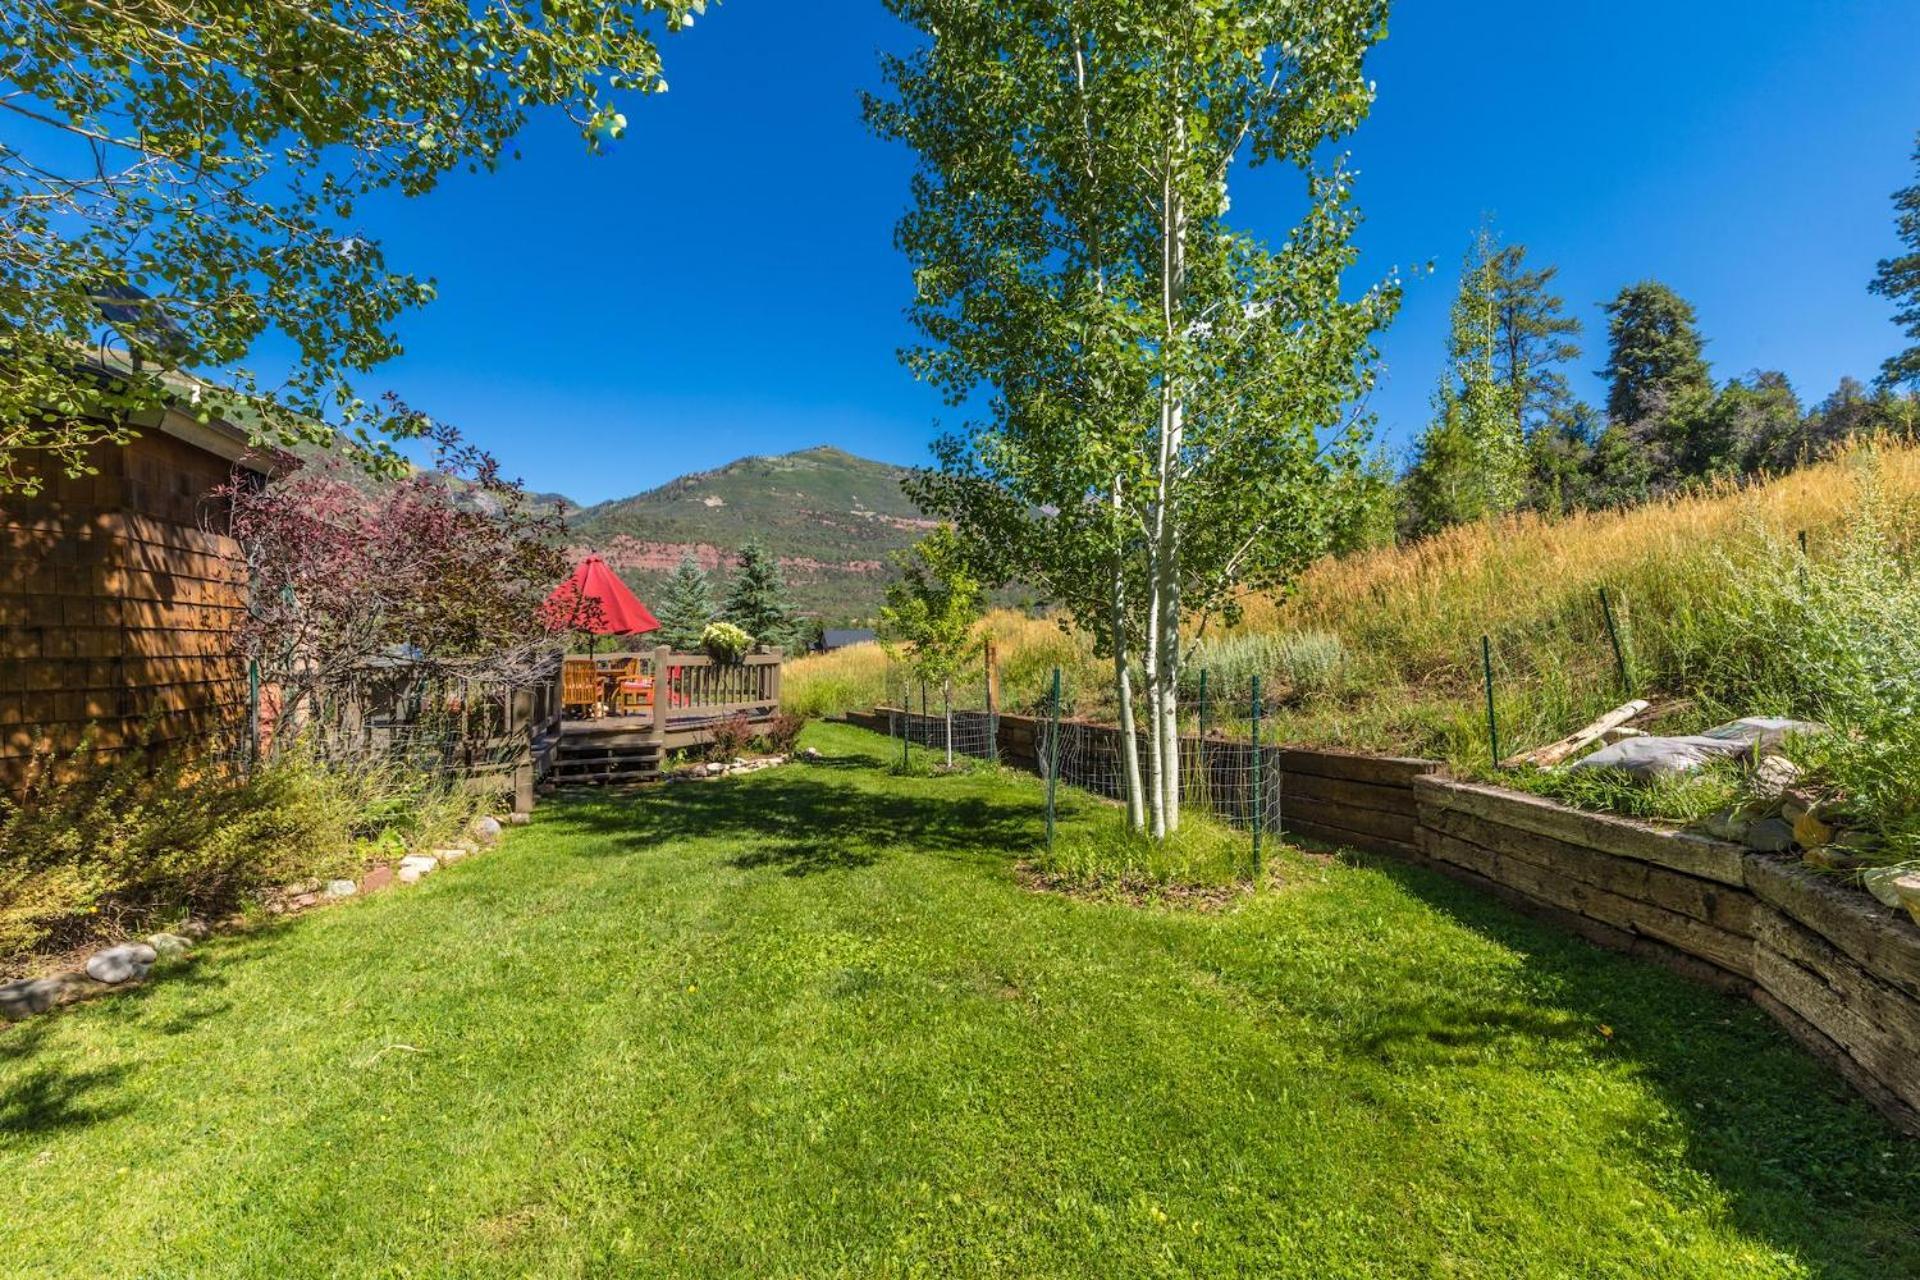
(832, 519)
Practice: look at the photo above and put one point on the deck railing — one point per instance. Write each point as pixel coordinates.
(692, 689)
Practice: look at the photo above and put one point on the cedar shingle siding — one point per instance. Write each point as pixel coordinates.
(116, 606)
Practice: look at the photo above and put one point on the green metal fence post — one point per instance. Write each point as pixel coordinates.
(1258, 808)
(1053, 755)
(1613, 638)
(1493, 724)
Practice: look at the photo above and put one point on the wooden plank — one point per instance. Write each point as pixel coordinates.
(1355, 766)
(1875, 1026)
(1553, 753)
(1730, 951)
(1903, 1117)
(1598, 933)
(1708, 900)
(1399, 827)
(1339, 836)
(1346, 792)
(1882, 941)
(1694, 855)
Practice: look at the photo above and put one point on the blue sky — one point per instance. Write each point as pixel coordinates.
(724, 282)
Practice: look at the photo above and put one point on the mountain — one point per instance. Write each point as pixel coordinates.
(832, 519)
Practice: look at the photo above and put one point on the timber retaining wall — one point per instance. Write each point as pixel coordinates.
(1835, 968)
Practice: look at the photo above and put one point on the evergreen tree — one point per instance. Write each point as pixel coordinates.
(1532, 335)
(1659, 388)
(1559, 455)
(757, 598)
(1898, 280)
(1755, 424)
(686, 606)
(1619, 470)
(1472, 461)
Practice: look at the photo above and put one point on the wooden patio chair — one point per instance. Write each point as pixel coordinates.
(580, 686)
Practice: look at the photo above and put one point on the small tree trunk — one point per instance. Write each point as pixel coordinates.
(1129, 731)
(947, 697)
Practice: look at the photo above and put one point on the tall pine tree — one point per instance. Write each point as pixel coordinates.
(1659, 390)
(1533, 336)
(1898, 280)
(685, 606)
(757, 598)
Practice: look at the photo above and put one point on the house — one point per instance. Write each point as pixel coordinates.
(118, 595)
(839, 638)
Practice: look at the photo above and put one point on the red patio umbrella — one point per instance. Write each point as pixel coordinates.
(620, 612)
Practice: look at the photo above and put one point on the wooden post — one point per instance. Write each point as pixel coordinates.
(993, 701)
(662, 658)
(523, 726)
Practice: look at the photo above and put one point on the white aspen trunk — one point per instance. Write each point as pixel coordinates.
(1156, 757)
(1165, 551)
(1123, 689)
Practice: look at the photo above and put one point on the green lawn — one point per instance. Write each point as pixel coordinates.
(808, 1023)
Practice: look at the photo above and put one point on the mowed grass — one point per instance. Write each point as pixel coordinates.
(808, 1023)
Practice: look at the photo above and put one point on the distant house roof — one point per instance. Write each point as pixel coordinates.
(840, 638)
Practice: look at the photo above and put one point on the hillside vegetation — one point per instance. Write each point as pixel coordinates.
(1381, 650)
(832, 518)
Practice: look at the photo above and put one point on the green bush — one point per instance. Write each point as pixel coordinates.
(115, 849)
(1292, 665)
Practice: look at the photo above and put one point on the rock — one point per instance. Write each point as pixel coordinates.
(1811, 833)
(26, 997)
(123, 963)
(1773, 777)
(715, 769)
(1883, 883)
(341, 888)
(1770, 835)
(1728, 824)
(376, 879)
(169, 946)
(811, 754)
(1908, 887)
(29, 996)
(415, 867)
(485, 829)
(1794, 803)
(517, 819)
(198, 930)
(452, 854)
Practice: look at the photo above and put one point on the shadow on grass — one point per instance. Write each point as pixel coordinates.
(1802, 1160)
(802, 822)
(53, 1096)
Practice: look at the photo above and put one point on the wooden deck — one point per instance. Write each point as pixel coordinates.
(694, 692)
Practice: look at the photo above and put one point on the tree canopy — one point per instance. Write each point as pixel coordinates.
(179, 179)
(1898, 280)
(757, 598)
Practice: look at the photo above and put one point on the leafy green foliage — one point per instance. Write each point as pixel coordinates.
(929, 619)
(188, 179)
(92, 851)
(725, 641)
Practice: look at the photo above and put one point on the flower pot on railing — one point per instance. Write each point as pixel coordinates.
(726, 643)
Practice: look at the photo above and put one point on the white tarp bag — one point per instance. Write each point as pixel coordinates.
(1649, 758)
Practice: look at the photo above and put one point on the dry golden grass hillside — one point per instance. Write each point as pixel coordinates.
(1382, 649)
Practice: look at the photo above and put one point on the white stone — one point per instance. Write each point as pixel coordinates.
(485, 829)
(1908, 887)
(415, 866)
(119, 964)
(452, 854)
(341, 888)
